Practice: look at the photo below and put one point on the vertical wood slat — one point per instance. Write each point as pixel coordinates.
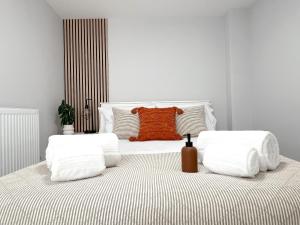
(86, 67)
(106, 96)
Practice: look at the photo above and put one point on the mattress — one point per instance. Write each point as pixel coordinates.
(151, 189)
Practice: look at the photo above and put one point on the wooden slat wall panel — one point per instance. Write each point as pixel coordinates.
(86, 67)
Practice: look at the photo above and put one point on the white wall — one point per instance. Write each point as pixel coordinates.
(276, 71)
(31, 60)
(251, 56)
(239, 68)
(169, 59)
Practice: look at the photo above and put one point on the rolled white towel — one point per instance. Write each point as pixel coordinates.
(264, 142)
(108, 142)
(76, 162)
(233, 160)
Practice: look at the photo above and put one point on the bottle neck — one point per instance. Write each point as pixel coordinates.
(189, 144)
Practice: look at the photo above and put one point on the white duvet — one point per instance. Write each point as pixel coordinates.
(153, 147)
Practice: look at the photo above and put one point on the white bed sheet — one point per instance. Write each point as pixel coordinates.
(151, 147)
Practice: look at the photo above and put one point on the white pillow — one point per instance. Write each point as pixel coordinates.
(106, 113)
(210, 119)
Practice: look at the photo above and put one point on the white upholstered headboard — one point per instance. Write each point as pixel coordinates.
(106, 114)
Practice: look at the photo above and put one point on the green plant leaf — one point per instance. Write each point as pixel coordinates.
(66, 113)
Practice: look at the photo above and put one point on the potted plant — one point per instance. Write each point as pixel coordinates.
(67, 116)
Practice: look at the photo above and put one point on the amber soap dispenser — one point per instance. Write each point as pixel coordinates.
(189, 157)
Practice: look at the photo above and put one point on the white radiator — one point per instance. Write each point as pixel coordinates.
(19, 139)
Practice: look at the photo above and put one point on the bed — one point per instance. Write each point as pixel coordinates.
(151, 189)
(148, 187)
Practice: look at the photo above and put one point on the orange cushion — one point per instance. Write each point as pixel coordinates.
(157, 124)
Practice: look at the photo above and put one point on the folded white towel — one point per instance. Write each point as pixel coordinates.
(73, 159)
(110, 145)
(233, 160)
(108, 142)
(77, 163)
(264, 142)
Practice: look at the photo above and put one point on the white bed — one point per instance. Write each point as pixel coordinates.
(152, 147)
(148, 187)
(151, 189)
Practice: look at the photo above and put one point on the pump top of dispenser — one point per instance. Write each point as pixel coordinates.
(189, 143)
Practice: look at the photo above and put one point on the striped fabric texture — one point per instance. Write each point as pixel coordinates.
(191, 121)
(152, 190)
(125, 123)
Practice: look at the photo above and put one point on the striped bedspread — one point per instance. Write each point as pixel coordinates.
(152, 190)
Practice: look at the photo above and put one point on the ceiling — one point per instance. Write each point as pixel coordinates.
(145, 8)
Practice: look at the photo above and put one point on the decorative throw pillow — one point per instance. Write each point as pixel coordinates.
(192, 121)
(157, 124)
(125, 123)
